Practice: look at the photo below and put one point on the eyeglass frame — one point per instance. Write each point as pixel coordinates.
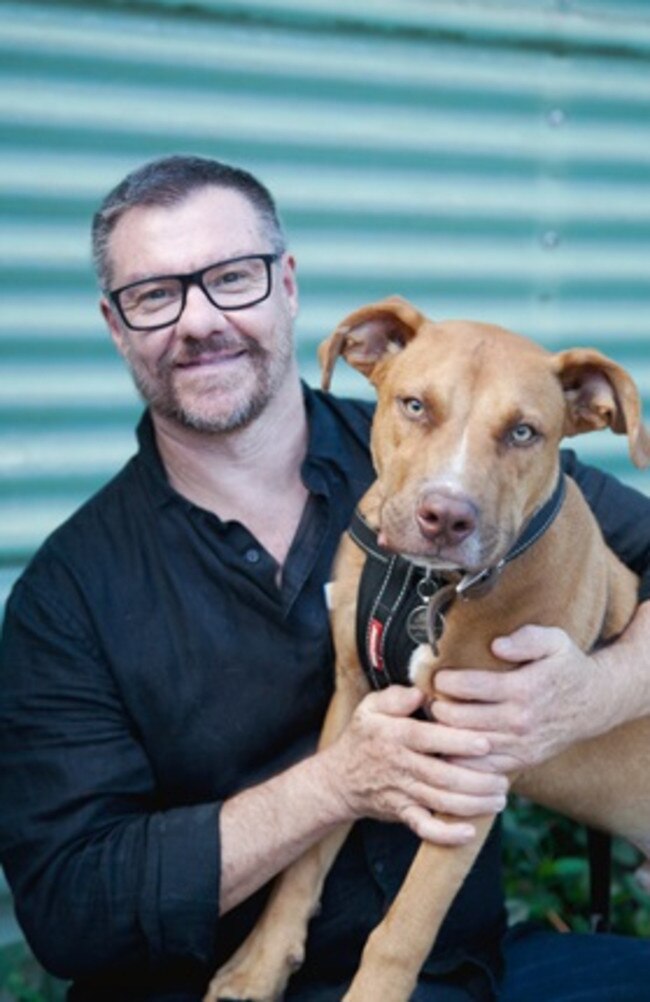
(195, 278)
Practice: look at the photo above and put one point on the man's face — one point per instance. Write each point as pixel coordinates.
(212, 370)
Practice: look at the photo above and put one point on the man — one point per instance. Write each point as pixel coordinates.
(167, 660)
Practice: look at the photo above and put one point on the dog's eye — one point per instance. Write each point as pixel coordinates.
(412, 407)
(522, 434)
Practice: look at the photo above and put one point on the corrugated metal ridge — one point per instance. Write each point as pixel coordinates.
(505, 24)
(154, 48)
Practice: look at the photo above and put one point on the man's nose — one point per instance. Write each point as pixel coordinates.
(200, 317)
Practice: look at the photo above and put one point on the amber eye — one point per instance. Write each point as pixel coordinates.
(522, 434)
(412, 407)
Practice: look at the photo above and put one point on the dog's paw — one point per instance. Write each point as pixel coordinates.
(254, 974)
(235, 987)
(226, 987)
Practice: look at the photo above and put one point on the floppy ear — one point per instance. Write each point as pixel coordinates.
(599, 394)
(368, 334)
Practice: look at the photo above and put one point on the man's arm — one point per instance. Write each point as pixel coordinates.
(382, 766)
(103, 873)
(107, 873)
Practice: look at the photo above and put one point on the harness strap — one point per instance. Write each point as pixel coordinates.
(386, 591)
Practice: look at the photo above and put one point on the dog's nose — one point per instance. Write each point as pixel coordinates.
(447, 520)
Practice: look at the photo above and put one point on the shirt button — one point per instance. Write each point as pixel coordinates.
(252, 556)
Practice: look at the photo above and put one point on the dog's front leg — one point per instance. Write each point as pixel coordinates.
(398, 947)
(260, 969)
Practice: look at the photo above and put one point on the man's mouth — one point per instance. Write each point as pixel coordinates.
(211, 357)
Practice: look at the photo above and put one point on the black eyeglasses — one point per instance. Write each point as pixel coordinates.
(159, 301)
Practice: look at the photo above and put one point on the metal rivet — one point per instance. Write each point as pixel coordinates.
(550, 239)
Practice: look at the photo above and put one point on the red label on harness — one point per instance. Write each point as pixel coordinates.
(375, 633)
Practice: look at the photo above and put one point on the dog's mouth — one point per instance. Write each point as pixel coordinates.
(481, 549)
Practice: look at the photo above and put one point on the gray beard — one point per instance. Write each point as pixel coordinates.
(163, 399)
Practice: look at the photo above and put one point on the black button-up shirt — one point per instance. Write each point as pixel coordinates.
(151, 668)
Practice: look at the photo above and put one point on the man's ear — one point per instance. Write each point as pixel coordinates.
(289, 282)
(600, 394)
(368, 334)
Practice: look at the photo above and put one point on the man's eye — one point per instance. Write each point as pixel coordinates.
(232, 277)
(522, 434)
(149, 297)
(412, 407)
(155, 294)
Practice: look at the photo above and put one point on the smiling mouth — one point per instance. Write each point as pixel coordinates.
(211, 358)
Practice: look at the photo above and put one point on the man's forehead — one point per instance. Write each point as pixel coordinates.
(196, 204)
(206, 225)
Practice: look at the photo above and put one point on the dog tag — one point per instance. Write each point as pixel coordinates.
(417, 619)
(416, 625)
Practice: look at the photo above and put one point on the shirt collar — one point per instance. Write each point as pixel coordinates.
(324, 417)
(323, 446)
(149, 457)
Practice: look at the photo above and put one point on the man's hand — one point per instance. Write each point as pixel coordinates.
(557, 696)
(386, 765)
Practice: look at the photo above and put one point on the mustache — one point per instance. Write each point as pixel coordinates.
(193, 348)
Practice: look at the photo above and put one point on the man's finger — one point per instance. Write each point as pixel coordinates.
(430, 828)
(435, 739)
(395, 701)
(529, 643)
(485, 717)
(467, 683)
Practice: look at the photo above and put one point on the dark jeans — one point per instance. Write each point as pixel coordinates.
(545, 966)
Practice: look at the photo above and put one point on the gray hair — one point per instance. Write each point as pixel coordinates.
(168, 181)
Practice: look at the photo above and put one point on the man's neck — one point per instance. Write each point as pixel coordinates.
(251, 475)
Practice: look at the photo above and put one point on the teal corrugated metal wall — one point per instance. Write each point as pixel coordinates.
(484, 159)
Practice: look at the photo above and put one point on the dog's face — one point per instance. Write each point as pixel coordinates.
(464, 442)
(468, 423)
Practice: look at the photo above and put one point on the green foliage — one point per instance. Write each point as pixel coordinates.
(23, 980)
(547, 873)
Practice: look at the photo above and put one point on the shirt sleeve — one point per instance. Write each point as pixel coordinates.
(105, 877)
(622, 512)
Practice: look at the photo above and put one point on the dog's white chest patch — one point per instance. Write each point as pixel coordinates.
(420, 665)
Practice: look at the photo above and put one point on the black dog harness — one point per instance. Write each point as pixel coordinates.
(402, 604)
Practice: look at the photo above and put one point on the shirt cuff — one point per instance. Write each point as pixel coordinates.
(180, 899)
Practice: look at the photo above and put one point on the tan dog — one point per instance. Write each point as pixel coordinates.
(465, 445)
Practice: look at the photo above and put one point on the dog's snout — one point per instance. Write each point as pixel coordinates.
(447, 520)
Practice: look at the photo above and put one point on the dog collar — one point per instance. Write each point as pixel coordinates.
(541, 520)
(474, 585)
(401, 604)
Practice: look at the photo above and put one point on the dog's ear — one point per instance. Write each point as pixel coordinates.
(368, 334)
(600, 394)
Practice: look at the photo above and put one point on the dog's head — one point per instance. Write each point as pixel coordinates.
(469, 420)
